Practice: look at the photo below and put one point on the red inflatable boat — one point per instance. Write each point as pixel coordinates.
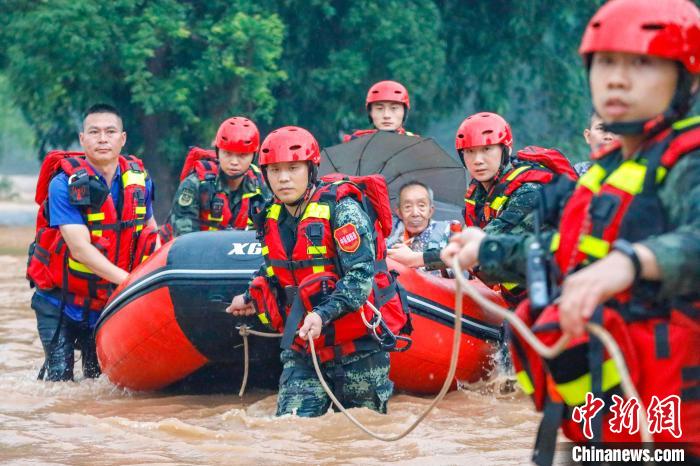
(167, 323)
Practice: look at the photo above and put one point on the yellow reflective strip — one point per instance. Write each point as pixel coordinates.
(263, 318)
(317, 269)
(77, 266)
(470, 201)
(215, 219)
(316, 210)
(131, 177)
(554, 245)
(274, 211)
(525, 382)
(96, 232)
(143, 259)
(574, 393)
(629, 177)
(254, 193)
(516, 172)
(96, 217)
(254, 168)
(592, 178)
(270, 272)
(497, 203)
(508, 285)
(265, 250)
(213, 229)
(140, 210)
(316, 250)
(683, 124)
(593, 246)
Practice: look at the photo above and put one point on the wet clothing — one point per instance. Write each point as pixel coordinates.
(63, 324)
(354, 375)
(430, 241)
(189, 197)
(60, 336)
(360, 380)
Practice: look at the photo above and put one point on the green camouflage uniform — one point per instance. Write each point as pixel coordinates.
(184, 214)
(677, 251)
(358, 379)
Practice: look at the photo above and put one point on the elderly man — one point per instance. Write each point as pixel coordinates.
(417, 239)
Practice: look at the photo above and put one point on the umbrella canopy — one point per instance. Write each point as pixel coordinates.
(400, 159)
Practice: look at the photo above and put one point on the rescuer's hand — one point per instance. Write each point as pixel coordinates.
(312, 326)
(239, 307)
(465, 246)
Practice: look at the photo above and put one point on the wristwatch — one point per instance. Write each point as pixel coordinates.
(626, 248)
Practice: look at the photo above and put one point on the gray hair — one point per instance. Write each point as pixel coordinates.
(415, 183)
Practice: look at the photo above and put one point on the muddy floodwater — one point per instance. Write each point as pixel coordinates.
(90, 422)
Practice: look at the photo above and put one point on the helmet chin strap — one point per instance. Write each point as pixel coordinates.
(680, 105)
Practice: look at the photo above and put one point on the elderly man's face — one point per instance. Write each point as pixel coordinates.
(415, 209)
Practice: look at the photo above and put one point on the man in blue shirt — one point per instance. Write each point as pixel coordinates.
(61, 322)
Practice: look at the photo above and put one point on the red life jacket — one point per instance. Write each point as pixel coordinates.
(116, 234)
(215, 212)
(364, 132)
(313, 268)
(533, 164)
(658, 339)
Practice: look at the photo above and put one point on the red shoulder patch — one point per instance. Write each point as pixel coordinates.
(347, 237)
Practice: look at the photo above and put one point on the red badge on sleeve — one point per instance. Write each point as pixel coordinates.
(347, 237)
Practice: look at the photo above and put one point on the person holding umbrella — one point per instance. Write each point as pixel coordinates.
(387, 106)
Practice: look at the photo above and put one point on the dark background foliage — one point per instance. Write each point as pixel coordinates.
(177, 68)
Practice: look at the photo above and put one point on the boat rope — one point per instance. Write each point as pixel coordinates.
(456, 341)
(550, 352)
(244, 331)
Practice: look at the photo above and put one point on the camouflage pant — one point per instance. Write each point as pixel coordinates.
(361, 380)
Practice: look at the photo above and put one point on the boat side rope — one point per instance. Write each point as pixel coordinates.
(549, 352)
(244, 331)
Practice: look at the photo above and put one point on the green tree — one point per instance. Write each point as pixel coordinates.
(519, 58)
(334, 51)
(175, 69)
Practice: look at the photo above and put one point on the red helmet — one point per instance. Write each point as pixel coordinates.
(483, 129)
(388, 91)
(289, 144)
(662, 28)
(238, 134)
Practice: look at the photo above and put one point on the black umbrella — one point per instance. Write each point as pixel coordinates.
(400, 159)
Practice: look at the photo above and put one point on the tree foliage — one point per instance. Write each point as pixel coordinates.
(177, 68)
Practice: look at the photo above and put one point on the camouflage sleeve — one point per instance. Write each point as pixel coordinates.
(184, 215)
(678, 251)
(431, 254)
(515, 216)
(503, 258)
(354, 242)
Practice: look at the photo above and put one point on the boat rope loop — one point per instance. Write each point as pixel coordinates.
(244, 331)
(550, 352)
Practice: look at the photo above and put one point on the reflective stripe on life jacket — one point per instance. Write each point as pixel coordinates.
(315, 256)
(610, 203)
(115, 233)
